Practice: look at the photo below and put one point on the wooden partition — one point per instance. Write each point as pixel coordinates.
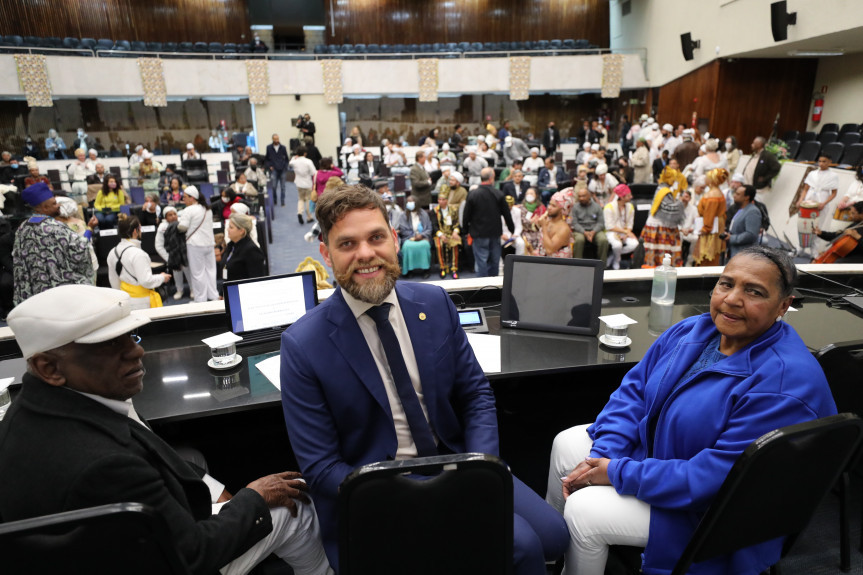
(742, 97)
(430, 21)
(143, 20)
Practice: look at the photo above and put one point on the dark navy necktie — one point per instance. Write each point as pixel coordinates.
(417, 422)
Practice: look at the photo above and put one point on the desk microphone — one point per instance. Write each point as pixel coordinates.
(852, 288)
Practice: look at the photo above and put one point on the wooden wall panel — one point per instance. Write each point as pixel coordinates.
(412, 22)
(147, 21)
(742, 97)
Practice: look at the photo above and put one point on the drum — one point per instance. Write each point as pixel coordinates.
(807, 219)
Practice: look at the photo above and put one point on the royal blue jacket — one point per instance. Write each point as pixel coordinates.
(702, 426)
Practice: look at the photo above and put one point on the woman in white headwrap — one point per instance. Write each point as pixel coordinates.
(197, 223)
(354, 160)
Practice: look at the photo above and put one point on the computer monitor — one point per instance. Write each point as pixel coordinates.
(260, 309)
(552, 294)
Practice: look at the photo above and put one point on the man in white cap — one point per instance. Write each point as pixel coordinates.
(196, 221)
(602, 186)
(137, 157)
(191, 153)
(445, 157)
(584, 154)
(737, 181)
(514, 149)
(72, 440)
(670, 142)
(47, 253)
(473, 166)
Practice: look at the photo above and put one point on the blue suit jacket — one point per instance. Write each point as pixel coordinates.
(277, 160)
(336, 409)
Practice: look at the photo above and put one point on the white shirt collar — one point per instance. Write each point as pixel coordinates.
(358, 308)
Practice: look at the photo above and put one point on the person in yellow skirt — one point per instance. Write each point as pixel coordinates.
(130, 268)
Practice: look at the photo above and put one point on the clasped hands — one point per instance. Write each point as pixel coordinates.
(591, 471)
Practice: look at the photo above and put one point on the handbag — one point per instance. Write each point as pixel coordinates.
(314, 196)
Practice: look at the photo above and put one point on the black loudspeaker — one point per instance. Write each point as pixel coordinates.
(688, 45)
(780, 19)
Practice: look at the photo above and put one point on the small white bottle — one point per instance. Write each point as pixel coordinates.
(664, 283)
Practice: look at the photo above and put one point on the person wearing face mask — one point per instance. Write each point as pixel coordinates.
(415, 230)
(108, 202)
(222, 208)
(30, 149)
(732, 153)
(531, 211)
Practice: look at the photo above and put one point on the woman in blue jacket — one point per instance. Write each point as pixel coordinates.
(647, 469)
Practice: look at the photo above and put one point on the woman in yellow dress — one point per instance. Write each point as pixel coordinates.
(712, 209)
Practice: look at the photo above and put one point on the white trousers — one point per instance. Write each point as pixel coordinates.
(619, 247)
(202, 272)
(296, 540)
(596, 516)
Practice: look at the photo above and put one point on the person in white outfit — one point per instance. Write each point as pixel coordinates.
(619, 215)
(135, 275)
(170, 216)
(196, 221)
(78, 172)
(304, 172)
(191, 153)
(532, 166)
(820, 187)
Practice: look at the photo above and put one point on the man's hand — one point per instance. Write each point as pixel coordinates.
(282, 490)
(93, 222)
(853, 233)
(589, 236)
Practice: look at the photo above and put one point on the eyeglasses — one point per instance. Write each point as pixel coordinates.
(120, 340)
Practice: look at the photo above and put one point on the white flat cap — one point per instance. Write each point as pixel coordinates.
(735, 178)
(72, 313)
(192, 191)
(190, 146)
(445, 147)
(534, 149)
(507, 142)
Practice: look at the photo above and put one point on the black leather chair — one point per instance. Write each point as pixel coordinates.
(829, 127)
(791, 135)
(170, 47)
(71, 43)
(138, 46)
(849, 128)
(459, 509)
(809, 151)
(753, 504)
(215, 48)
(104, 44)
(88, 43)
(827, 137)
(196, 171)
(849, 138)
(834, 151)
(853, 156)
(122, 537)
(200, 47)
(793, 148)
(809, 136)
(155, 47)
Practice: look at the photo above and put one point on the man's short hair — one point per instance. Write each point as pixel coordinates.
(420, 153)
(335, 205)
(749, 192)
(487, 174)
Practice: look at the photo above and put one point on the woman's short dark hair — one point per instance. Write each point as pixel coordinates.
(126, 226)
(783, 262)
(337, 203)
(326, 163)
(230, 193)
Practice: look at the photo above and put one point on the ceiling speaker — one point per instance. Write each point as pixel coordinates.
(780, 19)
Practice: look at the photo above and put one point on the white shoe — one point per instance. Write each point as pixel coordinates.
(191, 296)
(178, 295)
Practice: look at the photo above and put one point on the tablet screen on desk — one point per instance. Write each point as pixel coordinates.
(552, 294)
(269, 304)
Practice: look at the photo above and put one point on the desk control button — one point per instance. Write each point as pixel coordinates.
(629, 299)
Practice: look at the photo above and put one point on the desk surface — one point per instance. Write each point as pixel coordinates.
(179, 385)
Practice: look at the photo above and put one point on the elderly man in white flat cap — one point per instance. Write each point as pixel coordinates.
(72, 439)
(191, 153)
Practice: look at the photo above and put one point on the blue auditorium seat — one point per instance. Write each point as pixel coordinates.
(186, 47)
(333, 49)
(104, 44)
(360, 48)
(569, 44)
(464, 46)
(215, 48)
(386, 49)
(541, 45)
(438, 47)
(488, 47)
(399, 49)
(155, 47)
(347, 49)
(413, 48)
(139, 46)
(476, 47)
(200, 47)
(230, 48)
(319, 49)
(87, 43)
(170, 47)
(54, 42)
(71, 43)
(556, 44)
(425, 48)
(33, 41)
(373, 49)
(14, 40)
(519, 46)
(122, 45)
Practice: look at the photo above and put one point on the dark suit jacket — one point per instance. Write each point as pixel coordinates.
(421, 189)
(767, 169)
(336, 409)
(277, 160)
(60, 450)
(658, 166)
(509, 189)
(546, 140)
(243, 260)
(376, 170)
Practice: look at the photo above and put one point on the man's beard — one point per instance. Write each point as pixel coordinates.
(372, 291)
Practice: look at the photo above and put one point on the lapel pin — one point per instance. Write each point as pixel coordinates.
(422, 316)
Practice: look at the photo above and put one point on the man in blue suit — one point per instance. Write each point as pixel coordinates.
(343, 385)
(277, 162)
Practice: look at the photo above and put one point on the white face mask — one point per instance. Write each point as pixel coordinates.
(728, 146)
(410, 206)
(530, 199)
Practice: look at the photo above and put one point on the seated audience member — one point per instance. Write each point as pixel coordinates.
(442, 182)
(532, 209)
(256, 175)
(445, 157)
(602, 186)
(173, 194)
(588, 226)
(96, 181)
(489, 155)
(624, 172)
(354, 159)
(243, 188)
(556, 234)
(852, 231)
(619, 215)
(92, 156)
(516, 187)
(415, 232)
(584, 155)
(34, 176)
(447, 235)
(688, 233)
(243, 209)
(74, 440)
(532, 166)
(190, 153)
(507, 172)
(511, 242)
(130, 269)
(240, 156)
(108, 202)
(78, 171)
(137, 157)
(645, 471)
(550, 178)
(472, 166)
(370, 168)
(148, 172)
(744, 228)
(171, 246)
(661, 232)
(222, 206)
(242, 259)
(151, 211)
